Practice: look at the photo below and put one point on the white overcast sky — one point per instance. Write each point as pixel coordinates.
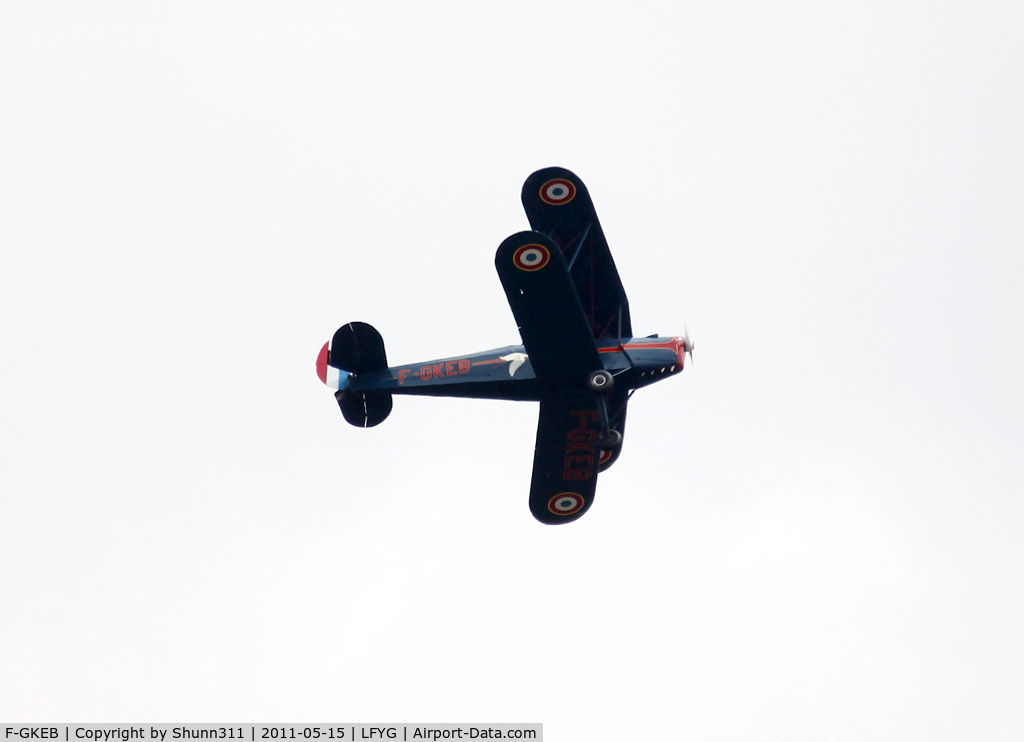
(814, 533)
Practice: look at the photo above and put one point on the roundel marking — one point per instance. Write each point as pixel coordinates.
(558, 191)
(606, 456)
(566, 503)
(531, 257)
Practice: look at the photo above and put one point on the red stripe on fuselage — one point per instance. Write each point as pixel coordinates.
(671, 345)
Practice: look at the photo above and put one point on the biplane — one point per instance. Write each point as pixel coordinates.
(578, 359)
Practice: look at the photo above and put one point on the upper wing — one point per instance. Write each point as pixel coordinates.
(559, 206)
(565, 460)
(551, 321)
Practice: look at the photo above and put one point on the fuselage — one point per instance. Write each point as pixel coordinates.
(506, 373)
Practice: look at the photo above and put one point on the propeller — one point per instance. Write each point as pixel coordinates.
(688, 344)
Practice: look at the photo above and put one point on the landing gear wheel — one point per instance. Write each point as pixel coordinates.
(600, 382)
(609, 439)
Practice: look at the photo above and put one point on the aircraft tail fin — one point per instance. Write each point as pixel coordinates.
(356, 348)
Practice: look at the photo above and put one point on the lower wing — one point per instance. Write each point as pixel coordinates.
(551, 321)
(566, 459)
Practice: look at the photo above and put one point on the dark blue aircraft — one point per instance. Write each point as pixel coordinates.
(579, 358)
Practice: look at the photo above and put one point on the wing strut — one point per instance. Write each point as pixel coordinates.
(579, 246)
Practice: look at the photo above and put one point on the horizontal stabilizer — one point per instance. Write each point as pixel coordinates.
(358, 348)
(364, 409)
